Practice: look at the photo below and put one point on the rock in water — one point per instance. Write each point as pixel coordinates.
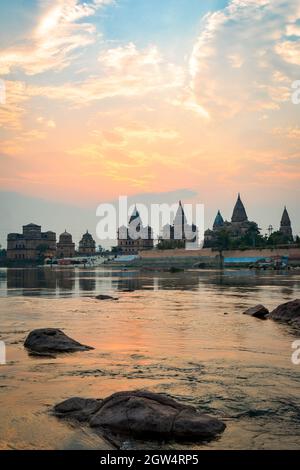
(142, 415)
(52, 340)
(259, 311)
(288, 312)
(80, 409)
(105, 297)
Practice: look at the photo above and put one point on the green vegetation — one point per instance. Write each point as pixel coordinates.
(252, 238)
(2, 252)
(42, 252)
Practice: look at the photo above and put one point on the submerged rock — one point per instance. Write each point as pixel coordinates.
(141, 415)
(259, 311)
(288, 312)
(105, 297)
(52, 340)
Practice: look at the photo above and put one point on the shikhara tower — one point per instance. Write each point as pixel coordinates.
(285, 225)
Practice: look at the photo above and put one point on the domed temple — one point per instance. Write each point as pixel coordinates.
(87, 245)
(65, 246)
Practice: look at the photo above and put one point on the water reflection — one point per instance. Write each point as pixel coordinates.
(88, 284)
(80, 282)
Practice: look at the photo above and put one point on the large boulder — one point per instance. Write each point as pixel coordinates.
(259, 311)
(141, 415)
(288, 312)
(52, 340)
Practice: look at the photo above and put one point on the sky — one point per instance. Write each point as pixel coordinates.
(148, 98)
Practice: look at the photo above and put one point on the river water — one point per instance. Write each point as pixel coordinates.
(182, 334)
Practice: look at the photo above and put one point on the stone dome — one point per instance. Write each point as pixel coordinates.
(65, 238)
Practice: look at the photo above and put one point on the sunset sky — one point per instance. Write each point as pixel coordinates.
(131, 97)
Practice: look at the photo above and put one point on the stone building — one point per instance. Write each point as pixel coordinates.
(285, 225)
(238, 226)
(87, 245)
(65, 246)
(32, 244)
(180, 231)
(135, 237)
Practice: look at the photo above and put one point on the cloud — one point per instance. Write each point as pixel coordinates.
(241, 53)
(289, 51)
(12, 111)
(125, 72)
(16, 145)
(136, 130)
(60, 33)
(289, 133)
(50, 123)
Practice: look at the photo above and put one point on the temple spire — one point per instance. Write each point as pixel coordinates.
(285, 219)
(219, 221)
(285, 224)
(239, 213)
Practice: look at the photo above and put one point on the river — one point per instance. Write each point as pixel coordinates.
(183, 334)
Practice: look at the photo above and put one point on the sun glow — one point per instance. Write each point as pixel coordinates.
(49, 21)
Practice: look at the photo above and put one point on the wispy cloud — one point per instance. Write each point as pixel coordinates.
(239, 55)
(59, 34)
(123, 72)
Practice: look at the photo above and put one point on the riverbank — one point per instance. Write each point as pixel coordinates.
(208, 258)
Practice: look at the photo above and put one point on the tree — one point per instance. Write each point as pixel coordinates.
(223, 241)
(42, 250)
(278, 238)
(252, 238)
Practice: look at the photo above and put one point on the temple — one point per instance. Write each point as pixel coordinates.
(65, 246)
(87, 245)
(235, 229)
(285, 225)
(135, 237)
(180, 232)
(219, 221)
